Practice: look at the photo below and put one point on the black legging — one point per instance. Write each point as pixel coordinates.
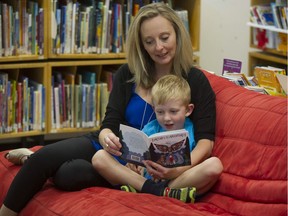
(67, 161)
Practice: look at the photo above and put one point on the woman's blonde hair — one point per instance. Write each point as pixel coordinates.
(139, 61)
(171, 87)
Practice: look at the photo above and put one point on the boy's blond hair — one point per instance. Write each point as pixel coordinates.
(171, 87)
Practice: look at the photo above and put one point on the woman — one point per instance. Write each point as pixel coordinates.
(152, 51)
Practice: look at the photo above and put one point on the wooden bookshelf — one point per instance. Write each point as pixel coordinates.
(40, 67)
(258, 58)
(266, 56)
(20, 48)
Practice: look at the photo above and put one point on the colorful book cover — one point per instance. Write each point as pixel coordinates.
(266, 77)
(169, 148)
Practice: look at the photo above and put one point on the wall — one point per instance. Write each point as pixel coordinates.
(224, 33)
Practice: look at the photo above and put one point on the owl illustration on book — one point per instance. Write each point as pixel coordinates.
(170, 155)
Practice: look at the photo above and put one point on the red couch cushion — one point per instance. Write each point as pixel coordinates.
(251, 141)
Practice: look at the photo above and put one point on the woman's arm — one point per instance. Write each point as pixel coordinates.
(202, 151)
(203, 98)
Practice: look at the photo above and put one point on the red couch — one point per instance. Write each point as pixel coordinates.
(251, 141)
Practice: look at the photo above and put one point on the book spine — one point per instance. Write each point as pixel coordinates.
(58, 34)
(43, 106)
(63, 28)
(99, 26)
(53, 122)
(104, 29)
(83, 123)
(57, 107)
(19, 106)
(14, 102)
(68, 27)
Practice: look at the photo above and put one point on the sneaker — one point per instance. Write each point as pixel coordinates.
(18, 156)
(186, 195)
(128, 188)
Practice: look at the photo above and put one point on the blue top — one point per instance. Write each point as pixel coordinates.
(138, 112)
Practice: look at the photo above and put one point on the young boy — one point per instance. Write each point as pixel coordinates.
(171, 101)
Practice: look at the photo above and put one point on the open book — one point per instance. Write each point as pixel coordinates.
(170, 148)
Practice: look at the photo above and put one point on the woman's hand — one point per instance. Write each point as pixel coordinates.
(110, 142)
(159, 172)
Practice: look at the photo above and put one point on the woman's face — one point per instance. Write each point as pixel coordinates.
(159, 39)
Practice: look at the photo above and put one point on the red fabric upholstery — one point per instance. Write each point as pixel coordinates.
(251, 141)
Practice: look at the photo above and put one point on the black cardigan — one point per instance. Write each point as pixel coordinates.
(202, 96)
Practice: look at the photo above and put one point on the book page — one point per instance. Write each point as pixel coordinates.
(134, 145)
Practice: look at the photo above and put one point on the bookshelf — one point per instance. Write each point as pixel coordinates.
(41, 65)
(272, 53)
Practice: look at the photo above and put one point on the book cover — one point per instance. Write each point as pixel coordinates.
(265, 14)
(170, 148)
(266, 78)
(237, 78)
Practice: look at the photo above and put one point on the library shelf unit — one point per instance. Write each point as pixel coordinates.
(20, 53)
(36, 71)
(260, 58)
(40, 66)
(99, 67)
(265, 56)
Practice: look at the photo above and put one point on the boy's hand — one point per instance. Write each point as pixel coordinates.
(135, 168)
(159, 172)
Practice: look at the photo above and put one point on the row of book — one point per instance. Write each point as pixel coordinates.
(21, 28)
(273, 14)
(267, 80)
(22, 105)
(90, 26)
(263, 38)
(94, 26)
(78, 100)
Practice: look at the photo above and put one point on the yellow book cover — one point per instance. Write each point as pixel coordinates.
(267, 78)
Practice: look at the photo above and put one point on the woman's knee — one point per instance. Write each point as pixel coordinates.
(75, 175)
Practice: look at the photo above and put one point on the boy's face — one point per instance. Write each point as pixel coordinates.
(171, 115)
